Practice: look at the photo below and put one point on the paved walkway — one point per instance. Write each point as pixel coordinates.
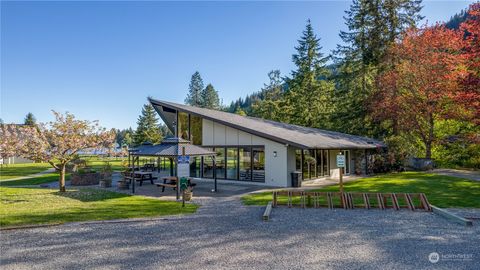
(472, 175)
(50, 170)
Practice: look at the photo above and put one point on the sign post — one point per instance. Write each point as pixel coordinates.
(341, 165)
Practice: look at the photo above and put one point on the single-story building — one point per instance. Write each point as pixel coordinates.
(261, 151)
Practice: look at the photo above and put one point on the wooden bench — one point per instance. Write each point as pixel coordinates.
(164, 185)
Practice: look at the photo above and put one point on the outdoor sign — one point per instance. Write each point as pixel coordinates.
(183, 159)
(340, 161)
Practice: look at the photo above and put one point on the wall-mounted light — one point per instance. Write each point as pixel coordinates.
(274, 153)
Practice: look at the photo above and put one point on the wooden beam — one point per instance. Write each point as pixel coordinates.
(450, 216)
(268, 211)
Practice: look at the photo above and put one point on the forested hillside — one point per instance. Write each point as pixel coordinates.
(414, 86)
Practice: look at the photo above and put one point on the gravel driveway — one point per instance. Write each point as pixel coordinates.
(224, 234)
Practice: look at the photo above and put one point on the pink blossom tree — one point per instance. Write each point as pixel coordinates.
(58, 142)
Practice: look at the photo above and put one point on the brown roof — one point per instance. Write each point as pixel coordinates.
(303, 137)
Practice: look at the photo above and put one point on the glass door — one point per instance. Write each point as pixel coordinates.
(346, 170)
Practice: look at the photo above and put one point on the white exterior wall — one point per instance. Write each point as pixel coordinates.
(276, 168)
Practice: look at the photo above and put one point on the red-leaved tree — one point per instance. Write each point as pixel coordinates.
(470, 96)
(421, 83)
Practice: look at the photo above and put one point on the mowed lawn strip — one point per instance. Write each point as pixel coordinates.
(442, 191)
(17, 170)
(29, 206)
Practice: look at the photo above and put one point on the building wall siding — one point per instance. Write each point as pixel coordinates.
(276, 168)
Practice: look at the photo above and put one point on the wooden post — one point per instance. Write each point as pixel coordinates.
(215, 173)
(133, 174)
(178, 179)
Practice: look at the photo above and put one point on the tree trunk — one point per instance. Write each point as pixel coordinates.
(428, 143)
(62, 178)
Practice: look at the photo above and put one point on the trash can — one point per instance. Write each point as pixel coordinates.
(296, 179)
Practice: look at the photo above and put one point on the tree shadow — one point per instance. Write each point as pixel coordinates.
(90, 194)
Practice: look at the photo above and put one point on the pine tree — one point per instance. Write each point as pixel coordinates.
(268, 104)
(373, 25)
(30, 119)
(210, 98)
(308, 98)
(148, 128)
(194, 96)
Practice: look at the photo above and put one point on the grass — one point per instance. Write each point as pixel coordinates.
(442, 191)
(45, 178)
(19, 170)
(28, 206)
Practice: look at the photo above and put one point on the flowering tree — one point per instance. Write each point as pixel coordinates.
(422, 83)
(7, 141)
(58, 142)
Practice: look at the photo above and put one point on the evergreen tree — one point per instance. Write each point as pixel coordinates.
(194, 96)
(30, 119)
(308, 98)
(270, 97)
(210, 98)
(148, 128)
(373, 25)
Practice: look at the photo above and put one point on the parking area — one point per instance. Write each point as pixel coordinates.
(226, 234)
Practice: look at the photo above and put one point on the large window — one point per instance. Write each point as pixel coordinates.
(207, 166)
(245, 155)
(309, 164)
(195, 166)
(243, 163)
(196, 130)
(258, 154)
(183, 126)
(232, 163)
(298, 160)
(326, 162)
(220, 162)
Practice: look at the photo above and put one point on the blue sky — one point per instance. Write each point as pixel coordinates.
(100, 60)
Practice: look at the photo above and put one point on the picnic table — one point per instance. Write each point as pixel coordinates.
(140, 176)
(149, 167)
(171, 181)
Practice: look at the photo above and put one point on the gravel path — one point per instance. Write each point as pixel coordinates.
(472, 175)
(224, 234)
(50, 170)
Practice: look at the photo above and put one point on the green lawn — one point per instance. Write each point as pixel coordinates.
(18, 170)
(26, 206)
(442, 191)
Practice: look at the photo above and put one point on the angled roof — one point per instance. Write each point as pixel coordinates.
(170, 147)
(303, 137)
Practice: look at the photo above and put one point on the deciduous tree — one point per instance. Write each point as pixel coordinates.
(421, 86)
(58, 142)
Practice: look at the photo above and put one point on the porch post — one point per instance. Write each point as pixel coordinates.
(366, 161)
(178, 179)
(214, 173)
(301, 163)
(133, 174)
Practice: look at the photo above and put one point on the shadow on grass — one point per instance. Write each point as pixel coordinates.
(90, 194)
